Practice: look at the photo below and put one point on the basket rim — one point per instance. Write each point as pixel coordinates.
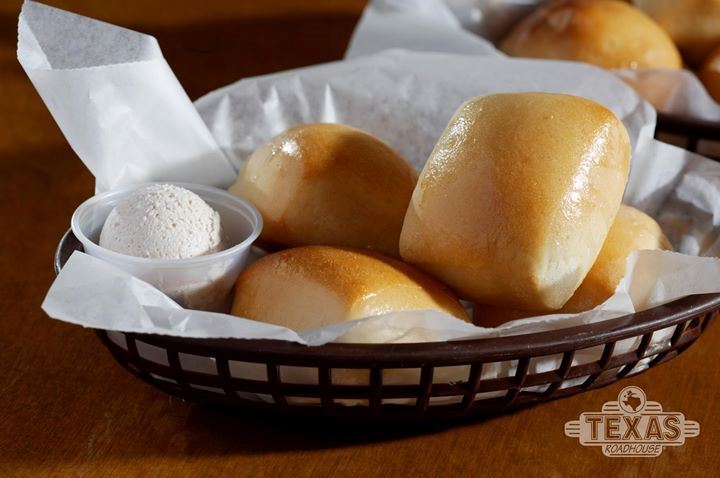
(449, 352)
(681, 124)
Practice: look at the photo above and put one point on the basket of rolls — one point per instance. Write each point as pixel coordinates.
(399, 236)
(517, 224)
(669, 51)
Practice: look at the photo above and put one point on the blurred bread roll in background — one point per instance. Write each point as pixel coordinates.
(694, 25)
(632, 230)
(517, 198)
(314, 286)
(328, 184)
(709, 74)
(607, 33)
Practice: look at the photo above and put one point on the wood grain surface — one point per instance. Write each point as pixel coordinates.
(67, 409)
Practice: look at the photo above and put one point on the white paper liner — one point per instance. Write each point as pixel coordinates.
(116, 100)
(404, 98)
(458, 26)
(407, 98)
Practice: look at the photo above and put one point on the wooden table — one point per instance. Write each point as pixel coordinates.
(67, 409)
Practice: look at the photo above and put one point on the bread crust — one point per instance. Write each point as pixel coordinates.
(328, 184)
(632, 230)
(607, 33)
(314, 286)
(517, 197)
(694, 25)
(709, 74)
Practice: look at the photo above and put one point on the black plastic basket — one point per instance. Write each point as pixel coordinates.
(252, 373)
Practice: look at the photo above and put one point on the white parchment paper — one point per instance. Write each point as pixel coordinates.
(406, 99)
(470, 26)
(116, 100)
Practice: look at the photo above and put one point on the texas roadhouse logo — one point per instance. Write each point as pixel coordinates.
(632, 426)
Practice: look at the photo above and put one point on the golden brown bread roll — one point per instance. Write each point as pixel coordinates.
(632, 230)
(694, 25)
(517, 197)
(606, 33)
(328, 184)
(315, 286)
(709, 74)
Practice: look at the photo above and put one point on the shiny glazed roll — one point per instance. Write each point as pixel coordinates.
(710, 74)
(606, 33)
(328, 184)
(694, 25)
(632, 230)
(315, 286)
(517, 198)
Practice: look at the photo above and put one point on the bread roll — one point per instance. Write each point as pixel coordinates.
(606, 33)
(710, 74)
(517, 197)
(694, 25)
(328, 184)
(315, 286)
(632, 230)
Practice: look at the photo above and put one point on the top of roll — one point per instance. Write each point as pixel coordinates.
(709, 74)
(606, 33)
(314, 286)
(328, 184)
(694, 25)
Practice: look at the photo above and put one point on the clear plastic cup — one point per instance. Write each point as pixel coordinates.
(203, 282)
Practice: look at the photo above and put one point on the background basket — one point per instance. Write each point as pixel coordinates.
(699, 136)
(264, 373)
